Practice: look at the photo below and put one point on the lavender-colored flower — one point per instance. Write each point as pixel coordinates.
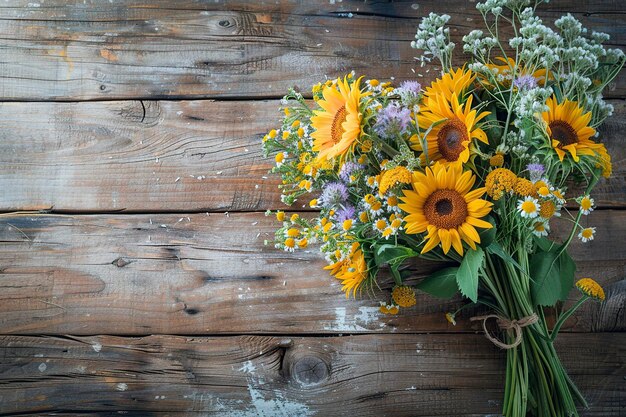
(334, 195)
(345, 213)
(525, 82)
(392, 120)
(412, 87)
(347, 169)
(409, 92)
(535, 171)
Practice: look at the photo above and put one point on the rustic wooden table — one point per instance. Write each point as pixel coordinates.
(133, 275)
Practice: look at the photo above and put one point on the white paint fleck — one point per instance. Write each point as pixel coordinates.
(248, 367)
(369, 315)
(42, 367)
(415, 6)
(39, 355)
(97, 347)
(275, 407)
(411, 388)
(365, 317)
(177, 179)
(419, 348)
(121, 386)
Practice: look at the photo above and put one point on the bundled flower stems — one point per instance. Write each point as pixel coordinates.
(470, 170)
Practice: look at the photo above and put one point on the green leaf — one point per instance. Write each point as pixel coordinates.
(545, 244)
(386, 254)
(467, 275)
(441, 284)
(497, 249)
(488, 235)
(394, 256)
(553, 275)
(567, 268)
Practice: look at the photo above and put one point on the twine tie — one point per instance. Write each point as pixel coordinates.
(506, 324)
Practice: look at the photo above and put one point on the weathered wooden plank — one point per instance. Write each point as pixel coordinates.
(143, 156)
(92, 50)
(199, 274)
(367, 375)
(136, 156)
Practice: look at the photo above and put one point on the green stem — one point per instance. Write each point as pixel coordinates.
(565, 316)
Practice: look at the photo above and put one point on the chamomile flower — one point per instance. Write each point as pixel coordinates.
(528, 207)
(541, 229)
(380, 225)
(290, 244)
(559, 195)
(587, 234)
(586, 204)
(280, 158)
(543, 192)
(391, 309)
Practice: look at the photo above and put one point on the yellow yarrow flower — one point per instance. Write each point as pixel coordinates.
(404, 296)
(524, 187)
(397, 175)
(497, 160)
(500, 181)
(590, 288)
(548, 209)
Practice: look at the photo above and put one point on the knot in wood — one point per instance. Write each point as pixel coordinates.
(309, 370)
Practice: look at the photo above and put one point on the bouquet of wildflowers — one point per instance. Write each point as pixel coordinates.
(470, 170)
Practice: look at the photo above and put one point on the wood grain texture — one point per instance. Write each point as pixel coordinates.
(199, 274)
(366, 375)
(146, 156)
(93, 50)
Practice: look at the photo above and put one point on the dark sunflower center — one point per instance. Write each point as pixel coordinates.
(445, 209)
(450, 139)
(336, 130)
(563, 132)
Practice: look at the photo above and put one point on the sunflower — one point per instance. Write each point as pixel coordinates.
(569, 130)
(452, 128)
(338, 125)
(451, 82)
(442, 204)
(351, 270)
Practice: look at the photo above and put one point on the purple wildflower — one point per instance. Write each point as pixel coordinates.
(345, 213)
(535, 171)
(409, 92)
(525, 82)
(392, 120)
(334, 194)
(347, 169)
(412, 87)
